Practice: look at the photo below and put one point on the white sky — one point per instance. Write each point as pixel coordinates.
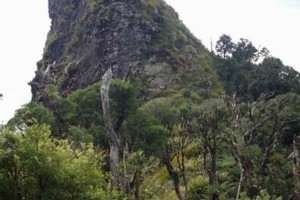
(274, 24)
(24, 25)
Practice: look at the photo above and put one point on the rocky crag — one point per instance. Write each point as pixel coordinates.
(135, 38)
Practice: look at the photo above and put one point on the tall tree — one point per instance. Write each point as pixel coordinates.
(114, 141)
(166, 116)
(245, 51)
(225, 46)
(210, 124)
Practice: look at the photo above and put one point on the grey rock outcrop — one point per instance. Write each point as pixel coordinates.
(133, 38)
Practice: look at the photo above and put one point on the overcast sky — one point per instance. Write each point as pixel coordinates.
(24, 25)
(273, 24)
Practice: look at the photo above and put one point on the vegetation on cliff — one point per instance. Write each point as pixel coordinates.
(189, 124)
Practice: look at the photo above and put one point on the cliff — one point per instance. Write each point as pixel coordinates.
(137, 38)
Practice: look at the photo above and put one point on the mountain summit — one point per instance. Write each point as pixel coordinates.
(137, 38)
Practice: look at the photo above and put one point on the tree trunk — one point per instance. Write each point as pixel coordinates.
(181, 163)
(137, 183)
(241, 182)
(212, 171)
(175, 177)
(126, 171)
(18, 190)
(296, 170)
(40, 178)
(113, 137)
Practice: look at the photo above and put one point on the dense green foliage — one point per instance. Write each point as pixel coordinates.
(31, 113)
(237, 67)
(34, 165)
(191, 140)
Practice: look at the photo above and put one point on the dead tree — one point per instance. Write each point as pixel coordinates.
(114, 142)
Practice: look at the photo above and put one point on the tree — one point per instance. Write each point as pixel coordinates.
(264, 53)
(114, 141)
(254, 132)
(166, 116)
(270, 76)
(225, 46)
(211, 122)
(140, 165)
(122, 104)
(30, 114)
(245, 52)
(146, 140)
(176, 116)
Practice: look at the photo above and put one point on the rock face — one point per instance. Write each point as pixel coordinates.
(135, 38)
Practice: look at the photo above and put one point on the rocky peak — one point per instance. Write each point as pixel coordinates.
(132, 37)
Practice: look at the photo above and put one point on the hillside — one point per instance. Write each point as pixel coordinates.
(128, 104)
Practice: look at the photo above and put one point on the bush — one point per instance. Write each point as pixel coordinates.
(198, 188)
(34, 165)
